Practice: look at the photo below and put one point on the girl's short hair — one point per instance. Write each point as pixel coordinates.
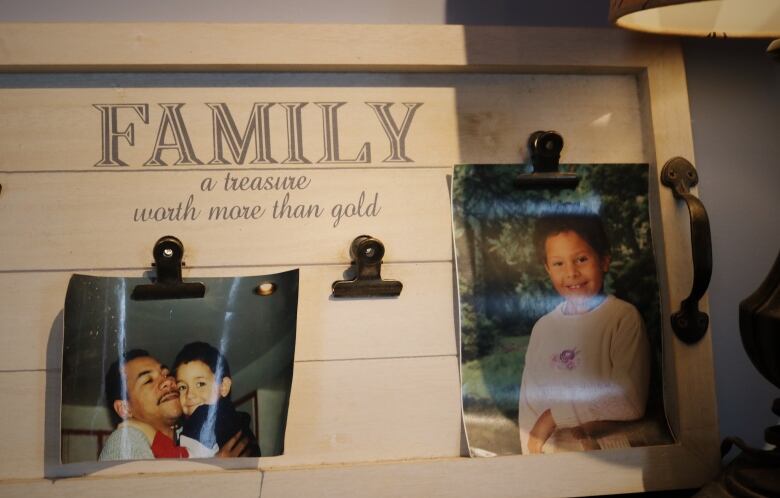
(587, 225)
(208, 354)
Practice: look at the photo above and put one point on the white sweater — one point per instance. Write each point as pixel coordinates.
(586, 367)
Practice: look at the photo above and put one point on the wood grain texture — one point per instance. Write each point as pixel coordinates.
(564, 474)
(328, 328)
(387, 410)
(340, 412)
(621, 98)
(575, 474)
(29, 423)
(484, 118)
(218, 46)
(84, 220)
(203, 484)
(688, 369)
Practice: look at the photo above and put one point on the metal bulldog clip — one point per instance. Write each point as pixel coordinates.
(367, 253)
(168, 252)
(545, 152)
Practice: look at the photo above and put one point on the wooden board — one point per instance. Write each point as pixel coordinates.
(575, 474)
(456, 120)
(356, 123)
(578, 474)
(328, 329)
(375, 380)
(97, 213)
(234, 47)
(119, 205)
(341, 412)
(203, 483)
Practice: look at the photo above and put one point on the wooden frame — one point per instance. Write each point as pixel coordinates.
(658, 67)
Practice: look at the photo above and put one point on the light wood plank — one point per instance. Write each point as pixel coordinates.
(166, 47)
(68, 129)
(537, 476)
(483, 118)
(29, 424)
(359, 411)
(573, 474)
(244, 484)
(31, 306)
(83, 220)
(520, 476)
(419, 322)
(219, 46)
(688, 369)
(340, 411)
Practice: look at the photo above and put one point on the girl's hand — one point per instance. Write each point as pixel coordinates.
(541, 432)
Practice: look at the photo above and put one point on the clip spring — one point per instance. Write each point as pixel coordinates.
(545, 152)
(367, 253)
(168, 253)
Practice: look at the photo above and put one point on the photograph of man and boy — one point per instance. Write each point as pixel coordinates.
(559, 312)
(177, 378)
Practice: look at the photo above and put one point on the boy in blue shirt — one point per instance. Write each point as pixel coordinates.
(210, 420)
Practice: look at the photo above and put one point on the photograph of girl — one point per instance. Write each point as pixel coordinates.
(560, 327)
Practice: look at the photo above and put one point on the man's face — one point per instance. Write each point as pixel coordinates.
(576, 270)
(151, 392)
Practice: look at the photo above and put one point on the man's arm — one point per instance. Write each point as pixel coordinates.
(236, 446)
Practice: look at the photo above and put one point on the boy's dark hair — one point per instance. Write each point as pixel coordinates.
(206, 353)
(114, 384)
(587, 225)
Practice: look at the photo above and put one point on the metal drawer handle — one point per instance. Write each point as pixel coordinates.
(690, 324)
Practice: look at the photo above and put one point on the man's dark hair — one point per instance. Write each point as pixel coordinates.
(208, 354)
(114, 384)
(587, 225)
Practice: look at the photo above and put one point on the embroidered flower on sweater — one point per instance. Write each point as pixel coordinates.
(568, 359)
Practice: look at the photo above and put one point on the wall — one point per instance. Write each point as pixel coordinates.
(734, 91)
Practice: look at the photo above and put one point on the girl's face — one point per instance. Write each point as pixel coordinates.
(576, 270)
(198, 386)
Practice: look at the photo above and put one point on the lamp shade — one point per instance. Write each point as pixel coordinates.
(714, 18)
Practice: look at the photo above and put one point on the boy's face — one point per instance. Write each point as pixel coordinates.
(198, 386)
(576, 270)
